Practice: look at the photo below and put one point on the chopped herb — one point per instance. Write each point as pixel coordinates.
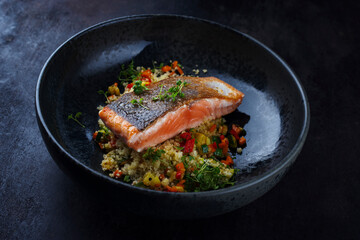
(127, 179)
(206, 178)
(140, 103)
(179, 148)
(129, 73)
(155, 67)
(139, 88)
(153, 155)
(75, 118)
(104, 93)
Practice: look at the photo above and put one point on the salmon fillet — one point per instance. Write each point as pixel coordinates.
(205, 99)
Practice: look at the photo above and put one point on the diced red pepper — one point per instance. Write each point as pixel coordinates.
(232, 132)
(185, 135)
(130, 85)
(171, 189)
(189, 146)
(222, 137)
(228, 161)
(242, 141)
(236, 129)
(180, 70)
(165, 68)
(174, 64)
(95, 134)
(178, 175)
(180, 167)
(175, 189)
(117, 174)
(212, 147)
(146, 74)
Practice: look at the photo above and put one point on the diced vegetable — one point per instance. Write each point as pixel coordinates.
(204, 149)
(232, 141)
(150, 180)
(146, 74)
(236, 128)
(117, 174)
(228, 161)
(242, 141)
(185, 135)
(189, 145)
(166, 68)
(114, 90)
(232, 132)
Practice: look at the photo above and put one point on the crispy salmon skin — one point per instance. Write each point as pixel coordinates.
(143, 127)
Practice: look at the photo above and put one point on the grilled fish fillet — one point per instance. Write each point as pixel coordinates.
(205, 99)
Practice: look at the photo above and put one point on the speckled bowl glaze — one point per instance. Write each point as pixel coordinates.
(275, 110)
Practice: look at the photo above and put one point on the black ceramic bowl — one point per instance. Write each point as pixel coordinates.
(275, 107)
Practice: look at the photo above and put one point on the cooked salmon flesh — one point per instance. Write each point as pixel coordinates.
(154, 122)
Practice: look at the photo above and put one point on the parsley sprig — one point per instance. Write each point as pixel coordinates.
(139, 88)
(104, 93)
(138, 102)
(172, 93)
(129, 73)
(152, 154)
(75, 118)
(205, 178)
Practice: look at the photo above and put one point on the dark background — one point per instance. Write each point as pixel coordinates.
(318, 198)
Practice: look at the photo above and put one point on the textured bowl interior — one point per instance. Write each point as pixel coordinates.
(274, 107)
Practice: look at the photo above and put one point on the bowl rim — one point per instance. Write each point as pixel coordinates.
(228, 190)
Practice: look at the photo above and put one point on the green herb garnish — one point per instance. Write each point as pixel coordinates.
(127, 179)
(75, 118)
(160, 96)
(155, 67)
(206, 178)
(153, 155)
(129, 73)
(172, 93)
(177, 90)
(104, 93)
(139, 88)
(140, 103)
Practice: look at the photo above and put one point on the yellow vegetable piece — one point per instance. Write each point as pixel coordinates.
(151, 180)
(114, 90)
(201, 139)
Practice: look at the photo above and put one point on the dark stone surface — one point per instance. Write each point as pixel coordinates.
(319, 196)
